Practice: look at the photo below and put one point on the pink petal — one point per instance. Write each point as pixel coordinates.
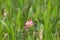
(28, 24)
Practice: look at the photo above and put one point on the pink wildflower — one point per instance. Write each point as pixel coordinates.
(28, 24)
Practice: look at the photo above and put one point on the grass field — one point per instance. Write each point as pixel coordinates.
(29, 19)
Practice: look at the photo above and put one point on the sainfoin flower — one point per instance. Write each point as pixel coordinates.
(28, 23)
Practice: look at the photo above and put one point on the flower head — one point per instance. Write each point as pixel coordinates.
(29, 23)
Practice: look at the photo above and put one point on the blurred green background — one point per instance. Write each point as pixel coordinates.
(45, 15)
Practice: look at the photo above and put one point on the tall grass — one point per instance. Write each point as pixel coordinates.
(45, 15)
